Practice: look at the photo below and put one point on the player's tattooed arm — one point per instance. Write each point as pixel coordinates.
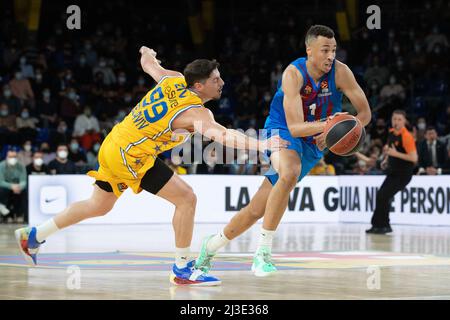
(293, 106)
(152, 66)
(346, 82)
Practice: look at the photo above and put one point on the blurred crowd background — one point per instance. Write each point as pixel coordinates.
(61, 90)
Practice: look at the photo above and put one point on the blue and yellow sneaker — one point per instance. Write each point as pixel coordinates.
(262, 263)
(29, 246)
(191, 276)
(203, 262)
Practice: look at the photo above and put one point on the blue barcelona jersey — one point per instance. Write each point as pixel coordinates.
(320, 100)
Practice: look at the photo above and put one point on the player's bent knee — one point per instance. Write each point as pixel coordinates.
(187, 198)
(289, 178)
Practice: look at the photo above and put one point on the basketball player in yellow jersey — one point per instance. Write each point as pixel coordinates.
(128, 158)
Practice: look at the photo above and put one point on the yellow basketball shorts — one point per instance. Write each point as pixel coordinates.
(120, 170)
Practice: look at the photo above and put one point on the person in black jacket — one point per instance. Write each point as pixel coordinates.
(432, 154)
(62, 165)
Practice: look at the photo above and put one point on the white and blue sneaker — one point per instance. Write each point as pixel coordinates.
(28, 244)
(191, 276)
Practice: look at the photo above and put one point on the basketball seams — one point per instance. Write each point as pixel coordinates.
(334, 125)
(350, 133)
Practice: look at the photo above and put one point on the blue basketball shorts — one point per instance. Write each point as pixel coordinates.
(309, 153)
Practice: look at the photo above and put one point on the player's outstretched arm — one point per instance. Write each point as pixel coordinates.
(293, 106)
(203, 122)
(346, 82)
(152, 66)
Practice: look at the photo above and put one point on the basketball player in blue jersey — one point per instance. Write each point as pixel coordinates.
(310, 93)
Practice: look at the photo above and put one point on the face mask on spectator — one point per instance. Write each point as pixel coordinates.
(62, 154)
(38, 162)
(121, 114)
(27, 147)
(141, 82)
(72, 95)
(38, 77)
(23, 60)
(96, 147)
(68, 77)
(46, 94)
(25, 114)
(392, 80)
(122, 79)
(102, 64)
(12, 161)
(88, 46)
(62, 129)
(421, 125)
(74, 146)
(88, 113)
(7, 93)
(3, 113)
(82, 61)
(18, 75)
(127, 99)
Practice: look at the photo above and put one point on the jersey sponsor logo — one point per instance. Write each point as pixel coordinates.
(122, 187)
(307, 90)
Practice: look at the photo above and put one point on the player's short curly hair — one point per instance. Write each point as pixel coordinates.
(199, 70)
(316, 31)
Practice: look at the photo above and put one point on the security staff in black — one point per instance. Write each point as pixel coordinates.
(400, 158)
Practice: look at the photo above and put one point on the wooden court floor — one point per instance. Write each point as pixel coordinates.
(315, 261)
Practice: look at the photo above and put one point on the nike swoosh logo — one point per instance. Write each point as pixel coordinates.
(50, 200)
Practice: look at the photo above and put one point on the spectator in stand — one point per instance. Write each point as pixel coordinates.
(432, 154)
(26, 125)
(47, 154)
(379, 131)
(13, 103)
(109, 78)
(47, 110)
(26, 69)
(87, 129)
(393, 94)
(21, 89)
(8, 127)
(420, 130)
(70, 106)
(77, 154)
(61, 164)
(37, 167)
(13, 182)
(25, 156)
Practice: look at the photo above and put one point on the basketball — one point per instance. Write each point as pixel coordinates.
(344, 135)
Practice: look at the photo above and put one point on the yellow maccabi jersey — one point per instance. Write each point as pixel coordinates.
(130, 149)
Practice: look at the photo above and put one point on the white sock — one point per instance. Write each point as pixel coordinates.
(265, 238)
(45, 230)
(182, 257)
(217, 242)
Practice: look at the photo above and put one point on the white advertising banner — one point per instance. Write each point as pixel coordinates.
(425, 201)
